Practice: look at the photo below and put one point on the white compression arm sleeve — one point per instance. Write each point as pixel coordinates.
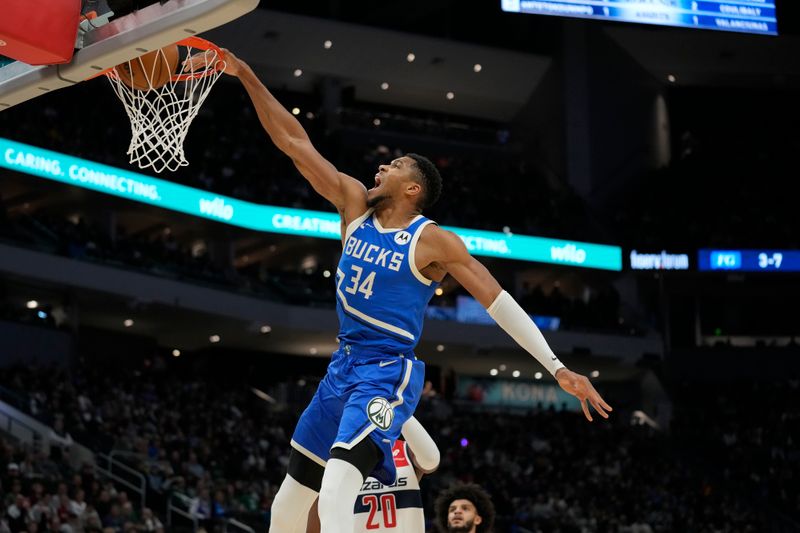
(426, 454)
(516, 322)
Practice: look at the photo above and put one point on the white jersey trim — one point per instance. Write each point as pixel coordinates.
(381, 229)
(374, 321)
(311, 455)
(372, 427)
(403, 385)
(412, 251)
(351, 227)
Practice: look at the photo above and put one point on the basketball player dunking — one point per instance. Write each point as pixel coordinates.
(392, 261)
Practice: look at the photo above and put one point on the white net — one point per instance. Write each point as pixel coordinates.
(161, 115)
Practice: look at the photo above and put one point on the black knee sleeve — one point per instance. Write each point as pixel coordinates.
(305, 471)
(364, 456)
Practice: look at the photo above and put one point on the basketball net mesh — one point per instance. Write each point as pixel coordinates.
(160, 116)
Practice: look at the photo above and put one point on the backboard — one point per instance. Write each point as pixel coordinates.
(122, 39)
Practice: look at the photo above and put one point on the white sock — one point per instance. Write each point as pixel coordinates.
(290, 507)
(337, 497)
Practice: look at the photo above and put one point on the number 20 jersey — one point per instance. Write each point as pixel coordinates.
(396, 508)
(380, 294)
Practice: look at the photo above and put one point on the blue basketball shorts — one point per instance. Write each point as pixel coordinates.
(361, 396)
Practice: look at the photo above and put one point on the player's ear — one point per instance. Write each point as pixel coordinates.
(478, 520)
(413, 188)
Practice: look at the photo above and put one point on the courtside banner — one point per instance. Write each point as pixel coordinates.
(197, 202)
(520, 393)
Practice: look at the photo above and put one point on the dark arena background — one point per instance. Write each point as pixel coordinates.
(633, 185)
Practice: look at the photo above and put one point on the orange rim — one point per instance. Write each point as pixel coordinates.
(189, 42)
(202, 44)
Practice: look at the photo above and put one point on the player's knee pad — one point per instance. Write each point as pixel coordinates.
(305, 471)
(364, 456)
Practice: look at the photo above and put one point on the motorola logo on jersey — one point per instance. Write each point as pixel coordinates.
(402, 237)
(380, 413)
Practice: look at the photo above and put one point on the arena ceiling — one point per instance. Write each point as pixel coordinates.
(369, 48)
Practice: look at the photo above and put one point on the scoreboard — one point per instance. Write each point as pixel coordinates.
(749, 260)
(747, 16)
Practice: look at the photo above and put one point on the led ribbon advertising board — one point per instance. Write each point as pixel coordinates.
(197, 202)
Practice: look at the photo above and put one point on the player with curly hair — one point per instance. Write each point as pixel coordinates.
(464, 509)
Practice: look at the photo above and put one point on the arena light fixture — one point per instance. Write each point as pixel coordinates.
(439, 291)
(295, 111)
(595, 374)
(313, 351)
(376, 122)
(385, 86)
(32, 304)
(326, 273)
(515, 373)
(310, 115)
(537, 375)
(411, 57)
(214, 339)
(298, 72)
(493, 372)
(127, 323)
(176, 353)
(327, 44)
(265, 329)
(440, 347)
(502, 368)
(450, 95)
(672, 78)
(477, 67)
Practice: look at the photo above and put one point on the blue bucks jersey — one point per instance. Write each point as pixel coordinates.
(381, 296)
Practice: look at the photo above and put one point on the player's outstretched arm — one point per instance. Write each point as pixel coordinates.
(473, 276)
(346, 193)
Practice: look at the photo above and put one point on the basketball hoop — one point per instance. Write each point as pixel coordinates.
(162, 111)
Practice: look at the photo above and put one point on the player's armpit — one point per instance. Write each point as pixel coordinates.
(467, 270)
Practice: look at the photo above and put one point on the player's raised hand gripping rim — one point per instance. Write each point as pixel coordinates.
(580, 387)
(228, 63)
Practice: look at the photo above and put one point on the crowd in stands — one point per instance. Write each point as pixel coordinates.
(726, 465)
(161, 253)
(41, 493)
(748, 435)
(220, 448)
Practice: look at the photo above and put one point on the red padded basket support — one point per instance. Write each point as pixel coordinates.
(39, 32)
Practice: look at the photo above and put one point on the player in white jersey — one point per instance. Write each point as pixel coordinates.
(396, 508)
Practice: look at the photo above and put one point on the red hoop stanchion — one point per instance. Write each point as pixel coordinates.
(161, 114)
